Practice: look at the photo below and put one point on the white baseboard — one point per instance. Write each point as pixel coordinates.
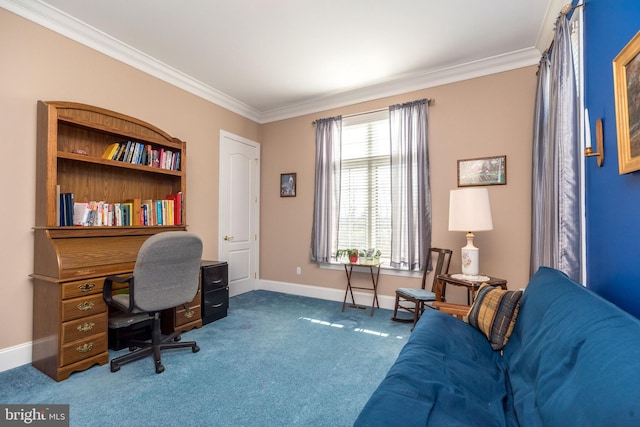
(236, 289)
(363, 298)
(12, 357)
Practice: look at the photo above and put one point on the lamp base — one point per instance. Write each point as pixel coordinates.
(470, 257)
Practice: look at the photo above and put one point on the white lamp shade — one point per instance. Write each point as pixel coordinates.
(469, 210)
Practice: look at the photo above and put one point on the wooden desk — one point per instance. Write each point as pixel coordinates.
(69, 314)
(472, 285)
(348, 269)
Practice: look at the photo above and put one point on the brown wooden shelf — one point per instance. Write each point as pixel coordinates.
(72, 262)
(115, 163)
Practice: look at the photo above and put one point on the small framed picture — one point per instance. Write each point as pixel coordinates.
(288, 185)
(482, 171)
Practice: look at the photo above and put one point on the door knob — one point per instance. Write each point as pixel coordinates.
(228, 237)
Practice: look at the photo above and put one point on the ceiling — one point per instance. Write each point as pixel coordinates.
(273, 59)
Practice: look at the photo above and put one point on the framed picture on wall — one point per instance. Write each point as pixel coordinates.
(288, 185)
(626, 83)
(482, 171)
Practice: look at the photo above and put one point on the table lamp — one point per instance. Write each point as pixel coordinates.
(469, 211)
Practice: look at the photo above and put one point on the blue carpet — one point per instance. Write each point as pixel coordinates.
(275, 360)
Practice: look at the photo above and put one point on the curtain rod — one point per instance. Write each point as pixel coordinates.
(430, 101)
(566, 9)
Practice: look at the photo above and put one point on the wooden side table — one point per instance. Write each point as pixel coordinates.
(472, 285)
(348, 269)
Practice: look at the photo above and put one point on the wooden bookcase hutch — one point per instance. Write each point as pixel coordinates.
(70, 263)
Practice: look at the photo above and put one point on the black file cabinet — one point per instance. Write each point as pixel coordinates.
(214, 276)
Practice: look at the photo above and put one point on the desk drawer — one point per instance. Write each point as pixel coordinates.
(83, 349)
(214, 277)
(81, 307)
(84, 327)
(183, 317)
(82, 288)
(215, 305)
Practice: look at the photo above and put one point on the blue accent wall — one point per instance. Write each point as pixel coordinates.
(612, 200)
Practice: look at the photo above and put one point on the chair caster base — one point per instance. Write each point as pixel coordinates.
(195, 349)
(115, 368)
(159, 369)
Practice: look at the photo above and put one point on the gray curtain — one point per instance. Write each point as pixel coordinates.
(555, 226)
(410, 189)
(326, 206)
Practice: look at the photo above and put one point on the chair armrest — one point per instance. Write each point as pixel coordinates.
(458, 310)
(107, 290)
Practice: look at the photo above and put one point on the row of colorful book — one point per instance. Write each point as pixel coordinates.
(134, 212)
(138, 153)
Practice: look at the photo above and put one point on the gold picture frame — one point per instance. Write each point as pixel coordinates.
(482, 171)
(626, 83)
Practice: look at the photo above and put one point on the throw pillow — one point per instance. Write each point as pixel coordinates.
(494, 313)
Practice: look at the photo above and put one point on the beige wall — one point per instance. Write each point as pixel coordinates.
(40, 64)
(475, 118)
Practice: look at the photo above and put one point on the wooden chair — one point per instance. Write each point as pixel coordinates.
(458, 310)
(413, 300)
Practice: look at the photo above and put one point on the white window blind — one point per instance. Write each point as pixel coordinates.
(365, 199)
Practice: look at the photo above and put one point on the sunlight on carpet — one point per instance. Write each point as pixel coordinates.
(275, 360)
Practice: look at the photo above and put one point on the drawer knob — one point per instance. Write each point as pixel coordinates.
(85, 348)
(86, 326)
(189, 314)
(85, 306)
(86, 287)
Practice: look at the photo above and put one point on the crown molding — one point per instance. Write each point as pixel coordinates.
(546, 32)
(484, 67)
(68, 26)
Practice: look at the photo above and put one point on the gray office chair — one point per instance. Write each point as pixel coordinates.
(165, 276)
(413, 300)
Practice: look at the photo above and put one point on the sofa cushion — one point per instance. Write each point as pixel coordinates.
(446, 375)
(573, 358)
(494, 313)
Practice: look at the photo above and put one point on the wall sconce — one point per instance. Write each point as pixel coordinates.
(588, 151)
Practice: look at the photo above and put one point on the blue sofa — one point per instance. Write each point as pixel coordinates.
(573, 359)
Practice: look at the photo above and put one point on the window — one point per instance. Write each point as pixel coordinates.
(365, 191)
(372, 186)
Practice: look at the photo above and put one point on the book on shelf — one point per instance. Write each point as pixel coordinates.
(138, 153)
(65, 209)
(127, 209)
(132, 212)
(177, 207)
(117, 153)
(148, 212)
(129, 151)
(110, 151)
(57, 205)
(81, 213)
(136, 210)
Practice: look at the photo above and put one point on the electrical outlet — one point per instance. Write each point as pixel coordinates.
(298, 271)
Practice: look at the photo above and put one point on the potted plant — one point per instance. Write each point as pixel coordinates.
(352, 254)
(371, 255)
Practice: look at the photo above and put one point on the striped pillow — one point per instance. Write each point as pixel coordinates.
(494, 313)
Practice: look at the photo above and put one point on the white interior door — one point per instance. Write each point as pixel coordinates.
(239, 210)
